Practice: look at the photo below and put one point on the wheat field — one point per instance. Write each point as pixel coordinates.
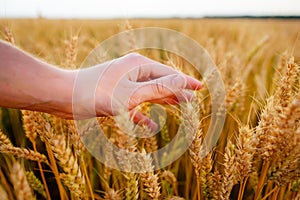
(257, 156)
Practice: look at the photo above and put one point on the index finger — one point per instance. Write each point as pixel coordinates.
(158, 70)
(145, 69)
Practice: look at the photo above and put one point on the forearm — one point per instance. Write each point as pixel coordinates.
(28, 83)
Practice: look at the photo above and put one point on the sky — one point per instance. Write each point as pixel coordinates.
(144, 8)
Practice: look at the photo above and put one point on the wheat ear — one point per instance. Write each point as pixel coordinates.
(229, 171)
(194, 152)
(127, 144)
(287, 165)
(148, 177)
(30, 125)
(206, 176)
(71, 175)
(24, 153)
(4, 140)
(171, 179)
(71, 52)
(20, 183)
(111, 194)
(244, 151)
(217, 185)
(7, 147)
(8, 36)
(36, 184)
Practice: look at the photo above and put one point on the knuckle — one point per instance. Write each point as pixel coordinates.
(132, 55)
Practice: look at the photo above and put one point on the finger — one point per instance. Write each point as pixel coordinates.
(140, 119)
(156, 70)
(193, 83)
(145, 68)
(141, 65)
(184, 96)
(152, 71)
(159, 88)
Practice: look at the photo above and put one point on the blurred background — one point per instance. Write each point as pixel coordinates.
(146, 9)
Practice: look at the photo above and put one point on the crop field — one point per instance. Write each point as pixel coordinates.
(256, 157)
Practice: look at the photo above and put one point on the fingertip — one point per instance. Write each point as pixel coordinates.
(141, 119)
(193, 83)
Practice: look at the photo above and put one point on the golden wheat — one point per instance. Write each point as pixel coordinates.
(256, 157)
(21, 186)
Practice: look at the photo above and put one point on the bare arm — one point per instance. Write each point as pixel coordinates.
(28, 83)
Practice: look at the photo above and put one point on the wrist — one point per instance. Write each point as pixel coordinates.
(53, 94)
(59, 99)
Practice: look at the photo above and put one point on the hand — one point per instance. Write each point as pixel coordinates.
(126, 82)
(105, 89)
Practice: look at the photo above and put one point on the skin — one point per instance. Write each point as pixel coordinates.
(31, 84)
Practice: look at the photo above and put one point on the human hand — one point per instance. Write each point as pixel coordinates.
(105, 89)
(126, 82)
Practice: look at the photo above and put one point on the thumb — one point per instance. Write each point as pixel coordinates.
(159, 88)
